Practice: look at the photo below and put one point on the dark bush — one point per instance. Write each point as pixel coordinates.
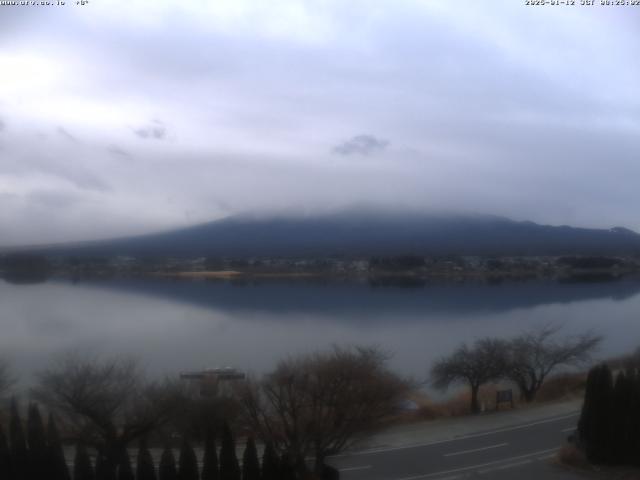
(82, 468)
(145, 470)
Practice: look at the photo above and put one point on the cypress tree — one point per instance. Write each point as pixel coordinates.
(57, 461)
(594, 426)
(604, 416)
(82, 468)
(617, 427)
(270, 463)
(19, 452)
(229, 468)
(622, 435)
(125, 472)
(105, 466)
(210, 460)
(145, 469)
(634, 421)
(250, 463)
(585, 422)
(586, 429)
(188, 462)
(167, 468)
(99, 467)
(330, 473)
(38, 453)
(287, 469)
(5, 457)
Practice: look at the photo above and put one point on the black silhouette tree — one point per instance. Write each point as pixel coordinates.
(167, 467)
(535, 354)
(188, 462)
(82, 468)
(287, 467)
(108, 402)
(106, 464)
(250, 463)
(229, 467)
(5, 456)
(594, 425)
(210, 468)
(634, 420)
(270, 463)
(57, 461)
(319, 404)
(6, 378)
(485, 361)
(145, 470)
(36, 438)
(19, 451)
(125, 472)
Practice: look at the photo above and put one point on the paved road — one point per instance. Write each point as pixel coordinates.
(521, 451)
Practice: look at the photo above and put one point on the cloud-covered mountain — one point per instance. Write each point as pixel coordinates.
(365, 233)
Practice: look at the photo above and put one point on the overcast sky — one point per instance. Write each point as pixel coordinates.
(126, 117)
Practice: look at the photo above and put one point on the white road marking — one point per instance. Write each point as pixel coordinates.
(475, 450)
(351, 469)
(504, 467)
(568, 430)
(475, 467)
(547, 457)
(464, 437)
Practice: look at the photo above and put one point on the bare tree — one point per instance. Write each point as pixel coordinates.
(319, 404)
(6, 378)
(627, 362)
(475, 365)
(536, 353)
(107, 401)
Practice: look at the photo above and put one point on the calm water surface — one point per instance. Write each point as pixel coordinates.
(177, 325)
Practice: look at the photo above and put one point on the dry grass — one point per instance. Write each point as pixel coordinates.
(563, 387)
(558, 388)
(572, 456)
(629, 476)
(456, 406)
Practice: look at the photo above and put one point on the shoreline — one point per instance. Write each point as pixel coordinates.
(376, 278)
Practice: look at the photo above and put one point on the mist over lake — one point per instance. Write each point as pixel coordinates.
(172, 326)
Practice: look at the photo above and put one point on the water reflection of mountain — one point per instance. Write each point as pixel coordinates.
(353, 299)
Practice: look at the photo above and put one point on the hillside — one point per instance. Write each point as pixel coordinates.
(361, 233)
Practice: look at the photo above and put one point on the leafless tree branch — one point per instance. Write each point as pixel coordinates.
(319, 404)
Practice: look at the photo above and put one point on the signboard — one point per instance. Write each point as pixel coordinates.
(504, 396)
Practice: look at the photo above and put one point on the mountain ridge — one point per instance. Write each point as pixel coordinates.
(361, 234)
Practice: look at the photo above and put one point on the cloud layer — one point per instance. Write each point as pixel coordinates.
(145, 115)
(361, 145)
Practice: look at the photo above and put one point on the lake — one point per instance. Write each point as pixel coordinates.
(172, 325)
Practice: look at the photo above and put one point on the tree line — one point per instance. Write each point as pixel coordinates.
(310, 407)
(307, 409)
(37, 453)
(526, 360)
(609, 425)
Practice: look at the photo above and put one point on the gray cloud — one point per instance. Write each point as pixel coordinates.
(480, 118)
(53, 199)
(156, 131)
(64, 133)
(117, 151)
(47, 169)
(2, 125)
(361, 145)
